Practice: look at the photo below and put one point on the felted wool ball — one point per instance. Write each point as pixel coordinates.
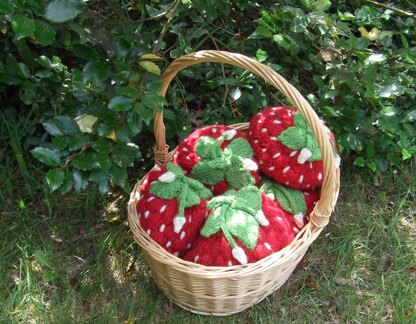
(218, 156)
(286, 148)
(242, 227)
(297, 202)
(172, 208)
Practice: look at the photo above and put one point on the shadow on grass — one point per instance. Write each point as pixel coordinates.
(359, 269)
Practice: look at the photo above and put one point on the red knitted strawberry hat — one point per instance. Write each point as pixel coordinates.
(298, 203)
(242, 227)
(286, 148)
(172, 208)
(220, 157)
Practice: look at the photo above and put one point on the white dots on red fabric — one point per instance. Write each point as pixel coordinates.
(279, 218)
(304, 155)
(296, 230)
(320, 176)
(169, 244)
(276, 155)
(162, 209)
(176, 253)
(250, 133)
(267, 245)
(264, 130)
(264, 150)
(156, 168)
(286, 169)
(287, 183)
(190, 219)
(271, 168)
(256, 141)
(188, 158)
(261, 162)
(299, 220)
(293, 153)
(310, 165)
(239, 254)
(196, 259)
(301, 179)
(277, 122)
(185, 149)
(273, 138)
(150, 199)
(230, 263)
(178, 223)
(308, 185)
(229, 135)
(214, 130)
(289, 113)
(146, 214)
(272, 114)
(306, 193)
(162, 228)
(182, 235)
(148, 232)
(188, 246)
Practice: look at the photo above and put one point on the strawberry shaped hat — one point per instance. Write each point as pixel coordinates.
(172, 208)
(298, 203)
(218, 156)
(286, 148)
(242, 227)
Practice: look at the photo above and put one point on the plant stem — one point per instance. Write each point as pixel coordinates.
(397, 10)
(74, 155)
(157, 45)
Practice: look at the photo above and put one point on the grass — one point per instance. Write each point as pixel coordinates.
(360, 270)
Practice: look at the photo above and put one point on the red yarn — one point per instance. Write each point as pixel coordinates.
(216, 251)
(275, 159)
(156, 217)
(186, 157)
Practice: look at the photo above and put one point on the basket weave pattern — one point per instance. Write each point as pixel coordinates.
(227, 290)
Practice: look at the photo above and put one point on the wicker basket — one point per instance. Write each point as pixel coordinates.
(226, 290)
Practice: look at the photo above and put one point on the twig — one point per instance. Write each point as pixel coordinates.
(159, 15)
(74, 155)
(223, 74)
(158, 43)
(411, 4)
(397, 10)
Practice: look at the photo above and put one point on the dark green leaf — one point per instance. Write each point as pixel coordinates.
(6, 6)
(103, 145)
(46, 156)
(322, 5)
(23, 26)
(60, 142)
(144, 112)
(77, 142)
(44, 34)
(411, 116)
(52, 127)
(68, 183)
(96, 72)
(85, 161)
(124, 155)
(80, 180)
(119, 176)
(153, 101)
(360, 161)
(62, 10)
(55, 178)
(67, 125)
(120, 103)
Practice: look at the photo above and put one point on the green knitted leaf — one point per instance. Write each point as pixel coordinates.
(240, 147)
(174, 168)
(188, 191)
(291, 200)
(238, 177)
(300, 136)
(234, 214)
(244, 227)
(208, 148)
(209, 172)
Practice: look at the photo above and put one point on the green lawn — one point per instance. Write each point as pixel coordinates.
(362, 269)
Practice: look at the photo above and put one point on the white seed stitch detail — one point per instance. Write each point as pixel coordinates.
(293, 153)
(196, 259)
(296, 230)
(308, 186)
(214, 130)
(182, 236)
(287, 183)
(185, 149)
(148, 232)
(163, 208)
(146, 214)
(190, 219)
(277, 122)
(189, 246)
(301, 179)
(230, 263)
(267, 245)
(156, 168)
(256, 141)
(264, 130)
(320, 176)
(271, 168)
(162, 228)
(273, 138)
(169, 244)
(188, 158)
(261, 162)
(279, 218)
(272, 114)
(276, 155)
(167, 177)
(304, 155)
(286, 169)
(176, 253)
(310, 165)
(264, 150)
(249, 164)
(150, 199)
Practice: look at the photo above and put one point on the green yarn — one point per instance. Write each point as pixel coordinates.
(290, 199)
(216, 164)
(300, 136)
(234, 214)
(188, 191)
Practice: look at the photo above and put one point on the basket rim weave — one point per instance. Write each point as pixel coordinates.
(281, 263)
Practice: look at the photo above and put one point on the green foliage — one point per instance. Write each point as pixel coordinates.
(63, 60)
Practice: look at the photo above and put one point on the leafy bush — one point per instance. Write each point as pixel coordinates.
(81, 79)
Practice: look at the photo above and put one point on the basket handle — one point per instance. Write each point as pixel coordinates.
(329, 192)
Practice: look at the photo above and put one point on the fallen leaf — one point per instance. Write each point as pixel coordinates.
(343, 281)
(412, 271)
(112, 136)
(130, 320)
(385, 262)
